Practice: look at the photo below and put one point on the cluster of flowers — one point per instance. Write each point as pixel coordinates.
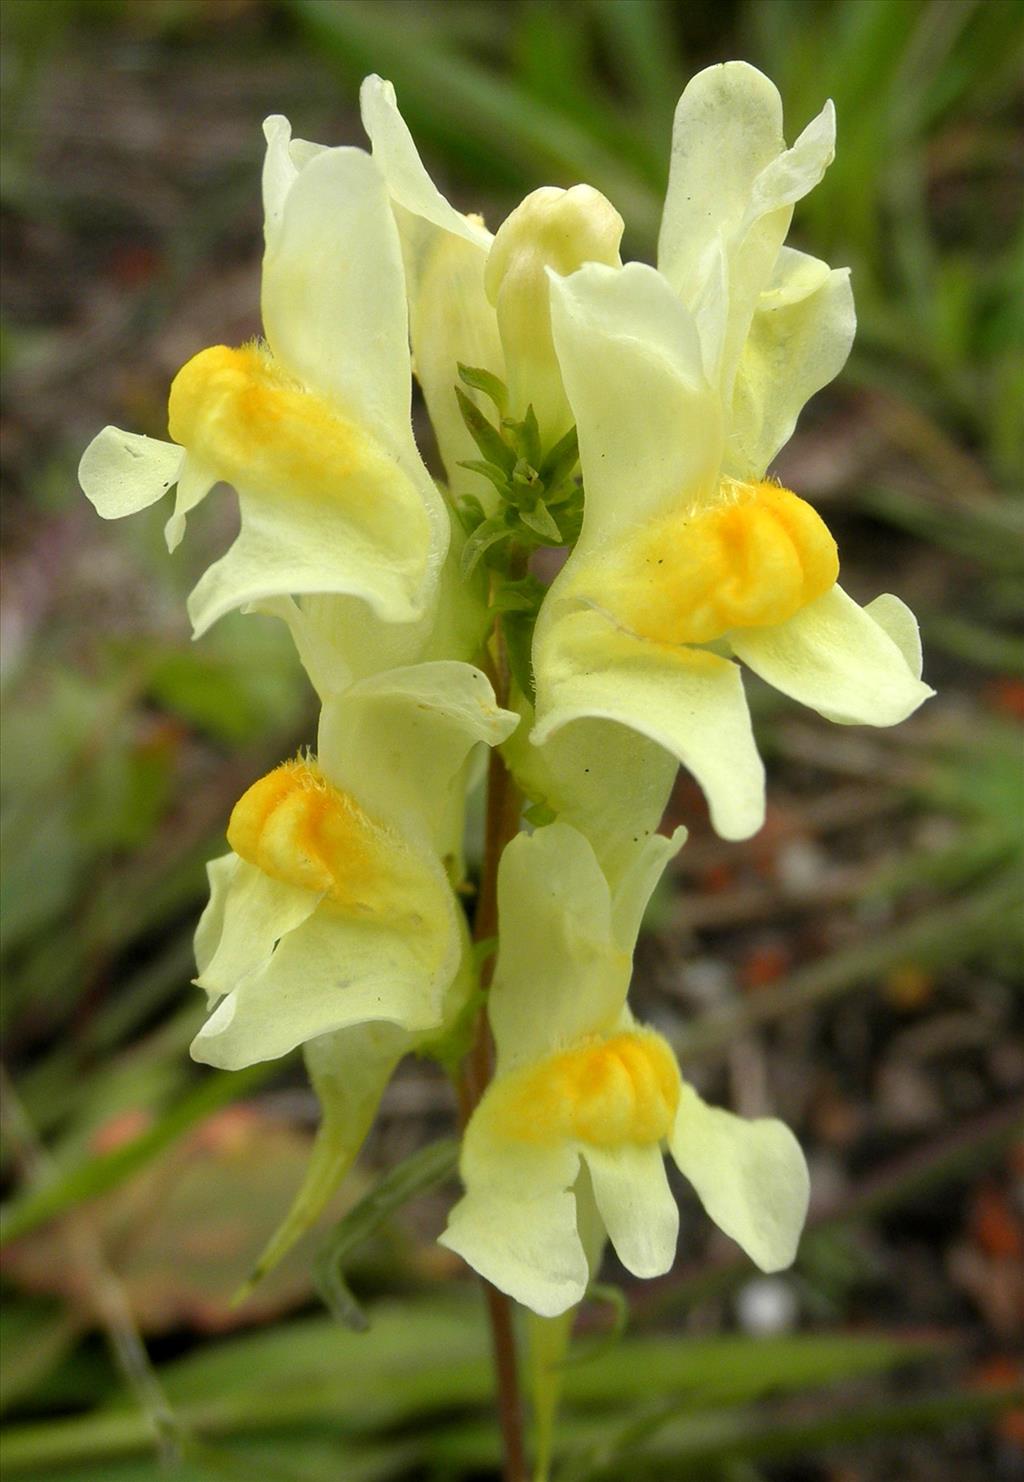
(628, 414)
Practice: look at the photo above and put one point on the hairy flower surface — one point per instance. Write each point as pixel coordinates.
(571, 1132)
(313, 428)
(684, 383)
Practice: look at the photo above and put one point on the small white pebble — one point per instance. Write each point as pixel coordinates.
(766, 1306)
(709, 982)
(800, 866)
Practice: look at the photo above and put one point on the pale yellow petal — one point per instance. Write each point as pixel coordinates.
(332, 972)
(731, 193)
(752, 257)
(837, 658)
(551, 232)
(194, 483)
(399, 740)
(895, 618)
(751, 1177)
(636, 1205)
(560, 975)
(219, 874)
(523, 1243)
(727, 128)
(451, 322)
(398, 158)
(248, 915)
(799, 340)
(445, 253)
(122, 472)
(325, 506)
(689, 701)
(339, 640)
(604, 779)
(649, 426)
(333, 294)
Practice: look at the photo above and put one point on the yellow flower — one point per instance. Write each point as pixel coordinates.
(567, 1142)
(335, 907)
(313, 428)
(684, 383)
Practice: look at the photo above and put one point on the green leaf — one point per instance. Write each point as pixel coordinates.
(490, 385)
(615, 1298)
(470, 511)
(542, 523)
(482, 539)
(422, 1170)
(524, 595)
(422, 1358)
(487, 437)
(517, 628)
(490, 471)
(560, 460)
(525, 436)
(526, 484)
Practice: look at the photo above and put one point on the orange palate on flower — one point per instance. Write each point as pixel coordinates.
(240, 415)
(294, 826)
(751, 559)
(611, 1092)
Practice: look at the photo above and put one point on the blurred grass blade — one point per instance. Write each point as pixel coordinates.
(101, 1174)
(696, 1448)
(427, 1359)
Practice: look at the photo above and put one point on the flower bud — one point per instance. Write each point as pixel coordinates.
(551, 228)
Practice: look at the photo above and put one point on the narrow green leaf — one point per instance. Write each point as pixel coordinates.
(615, 1298)
(526, 484)
(470, 512)
(542, 523)
(482, 539)
(490, 385)
(490, 471)
(487, 437)
(525, 436)
(517, 628)
(560, 460)
(422, 1170)
(519, 596)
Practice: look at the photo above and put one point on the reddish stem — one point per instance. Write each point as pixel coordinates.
(503, 812)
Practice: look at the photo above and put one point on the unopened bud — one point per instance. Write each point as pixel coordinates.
(551, 228)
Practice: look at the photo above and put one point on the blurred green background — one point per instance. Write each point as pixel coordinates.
(857, 967)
